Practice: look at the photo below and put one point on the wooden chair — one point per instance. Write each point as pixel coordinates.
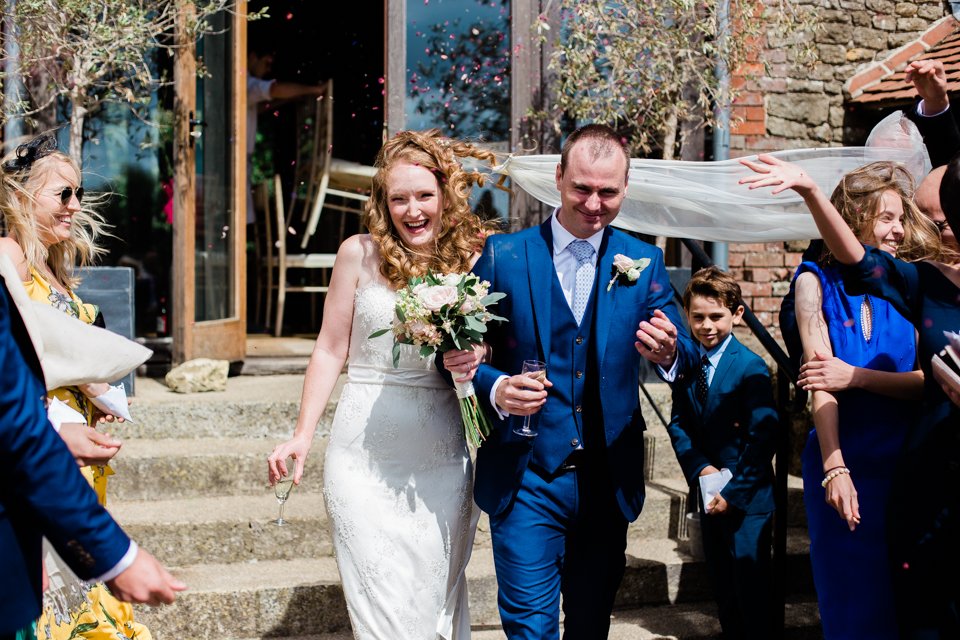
(295, 225)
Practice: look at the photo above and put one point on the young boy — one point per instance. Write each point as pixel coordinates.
(724, 418)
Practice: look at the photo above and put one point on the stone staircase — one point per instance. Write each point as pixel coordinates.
(191, 488)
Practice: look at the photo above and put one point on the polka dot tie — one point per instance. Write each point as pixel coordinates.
(702, 380)
(583, 252)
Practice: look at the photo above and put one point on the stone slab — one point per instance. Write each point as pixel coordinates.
(227, 529)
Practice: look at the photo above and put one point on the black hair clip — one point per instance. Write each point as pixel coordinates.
(29, 152)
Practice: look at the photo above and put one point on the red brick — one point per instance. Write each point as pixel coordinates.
(747, 247)
(764, 260)
(765, 317)
(766, 304)
(753, 289)
(757, 275)
(902, 57)
(939, 32)
(735, 259)
(792, 259)
(752, 127)
(864, 79)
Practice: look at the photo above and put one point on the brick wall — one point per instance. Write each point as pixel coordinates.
(789, 108)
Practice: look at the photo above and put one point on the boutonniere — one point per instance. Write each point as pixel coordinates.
(627, 267)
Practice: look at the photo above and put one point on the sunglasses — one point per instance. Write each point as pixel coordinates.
(67, 193)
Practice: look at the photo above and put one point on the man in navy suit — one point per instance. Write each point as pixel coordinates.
(42, 494)
(724, 417)
(559, 502)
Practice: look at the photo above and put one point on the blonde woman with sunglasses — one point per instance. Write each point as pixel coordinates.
(49, 232)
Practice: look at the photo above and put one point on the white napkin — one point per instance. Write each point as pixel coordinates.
(59, 412)
(114, 402)
(712, 484)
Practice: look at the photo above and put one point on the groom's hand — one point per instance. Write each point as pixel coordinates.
(521, 395)
(657, 340)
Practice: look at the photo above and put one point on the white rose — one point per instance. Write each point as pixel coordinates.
(633, 274)
(452, 279)
(623, 263)
(433, 298)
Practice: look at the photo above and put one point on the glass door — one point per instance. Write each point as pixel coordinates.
(210, 176)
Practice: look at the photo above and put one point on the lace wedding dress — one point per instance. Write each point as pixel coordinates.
(398, 487)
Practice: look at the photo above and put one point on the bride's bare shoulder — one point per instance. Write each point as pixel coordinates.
(365, 254)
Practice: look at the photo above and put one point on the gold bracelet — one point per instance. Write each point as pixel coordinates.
(834, 474)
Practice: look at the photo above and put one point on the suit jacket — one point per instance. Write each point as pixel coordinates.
(42, 493)
(735, 429)
(940, 134)
(521, 265)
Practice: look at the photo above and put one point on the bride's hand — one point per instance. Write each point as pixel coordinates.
(464, 362)
(773, 172)
(296, 447)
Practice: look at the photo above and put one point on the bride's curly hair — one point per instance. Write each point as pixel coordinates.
(461, 233)
(858, 199)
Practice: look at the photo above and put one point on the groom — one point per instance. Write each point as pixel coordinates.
(559, 502)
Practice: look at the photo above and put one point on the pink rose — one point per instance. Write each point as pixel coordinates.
(433, 298)
(622, 263)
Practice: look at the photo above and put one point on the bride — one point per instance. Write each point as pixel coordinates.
(397, 475)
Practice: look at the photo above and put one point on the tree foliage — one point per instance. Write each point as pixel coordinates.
(643, 66)
(84, 54)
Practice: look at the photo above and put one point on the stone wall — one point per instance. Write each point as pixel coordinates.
(789, 107)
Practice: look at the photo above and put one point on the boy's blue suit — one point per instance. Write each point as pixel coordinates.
(41, 490)
(593, 404)
(734, 429)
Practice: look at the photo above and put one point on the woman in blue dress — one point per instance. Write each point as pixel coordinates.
(922, 520)
(860, 358)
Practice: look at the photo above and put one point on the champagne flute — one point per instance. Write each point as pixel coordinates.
(538, 371)
(282, 489)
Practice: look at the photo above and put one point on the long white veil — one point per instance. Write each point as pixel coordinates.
(702, 200)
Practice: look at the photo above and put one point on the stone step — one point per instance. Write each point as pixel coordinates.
(187, 468)
(227, 529)
(253, 407)
(693, 621)
(238, 528)
(303, 596)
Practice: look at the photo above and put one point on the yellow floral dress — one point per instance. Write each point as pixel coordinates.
(74, 609)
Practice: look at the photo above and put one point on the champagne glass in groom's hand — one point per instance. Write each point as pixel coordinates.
(538, 371)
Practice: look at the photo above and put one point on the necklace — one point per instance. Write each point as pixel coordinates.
(866, 318)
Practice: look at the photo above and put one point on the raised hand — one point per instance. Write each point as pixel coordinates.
(930, 80)
(826, 373)
(773, 172)
(297, 447)
(657, 339)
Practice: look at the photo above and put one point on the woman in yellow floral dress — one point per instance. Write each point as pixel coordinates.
(49, 232)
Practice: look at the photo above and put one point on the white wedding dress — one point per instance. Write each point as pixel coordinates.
(398, 485)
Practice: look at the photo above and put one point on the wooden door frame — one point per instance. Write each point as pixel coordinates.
(220, 339)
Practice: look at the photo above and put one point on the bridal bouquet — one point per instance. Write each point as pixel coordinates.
(440, 313)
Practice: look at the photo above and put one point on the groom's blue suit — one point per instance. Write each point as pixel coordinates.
(544, 515)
